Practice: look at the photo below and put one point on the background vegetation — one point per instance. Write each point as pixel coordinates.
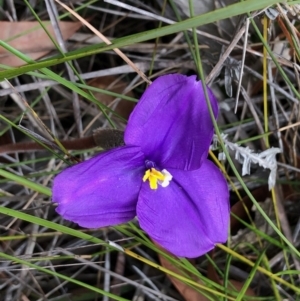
(65, 73)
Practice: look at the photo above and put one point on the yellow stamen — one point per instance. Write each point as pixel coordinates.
(153, 182)
(157, 174)
(146, 175)
(153, 176)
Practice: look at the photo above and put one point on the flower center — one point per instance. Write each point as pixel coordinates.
(155, 177)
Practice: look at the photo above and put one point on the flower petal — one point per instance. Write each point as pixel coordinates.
(101, 191)
(189, 216)
(171, 122)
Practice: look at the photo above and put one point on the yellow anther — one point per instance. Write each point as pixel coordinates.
(153, 176)
(153, 182)
(157, 174)
(146, 175)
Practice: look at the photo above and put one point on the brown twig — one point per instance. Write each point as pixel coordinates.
(105, 138)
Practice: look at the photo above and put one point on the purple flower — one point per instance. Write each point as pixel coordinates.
(161, 175)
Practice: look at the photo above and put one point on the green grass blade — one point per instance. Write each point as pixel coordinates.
(55, 274)
(24, 182)
(220, 14)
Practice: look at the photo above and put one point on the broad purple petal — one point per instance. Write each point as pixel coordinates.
(101, 191)
(189, 216)
(171, 122)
